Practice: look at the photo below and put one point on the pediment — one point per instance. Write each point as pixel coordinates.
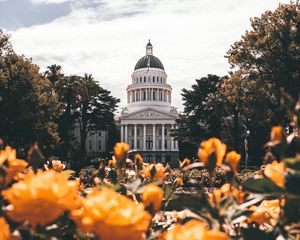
(149, 113)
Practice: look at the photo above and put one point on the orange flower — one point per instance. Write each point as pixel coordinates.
(215, 197)
(4, 229)
(275, 172)
(112, 163)
(58, 166)
(192, 230)
(154, 171)
(111, 216)
(14, 165)
(120, 151)
(276, 134)
(267, 212)
(211, 152)
(184, 163)
(41, 198)
(139, 159)
(178, 181)
(226, 191)
(152, 197)
(233, 160)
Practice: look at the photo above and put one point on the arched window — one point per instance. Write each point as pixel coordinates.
(154, 98)
(144, 79)
(157, 79)
(153, 79)
(161, 79)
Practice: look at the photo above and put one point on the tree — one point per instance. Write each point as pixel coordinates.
(29, 106)
(54, 73)
(271, 50)
(202, 114)
(95, 110)
(266, 59)
(68, 88)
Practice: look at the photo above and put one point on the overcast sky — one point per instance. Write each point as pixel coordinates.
(107, 37)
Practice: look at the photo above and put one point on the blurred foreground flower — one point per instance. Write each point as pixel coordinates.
(120, 152)
(233, 160)
(192, 230)
(276, 134)
(111, 216)
(184, 163)
(154, 171)
(13, 166)
(152, 197)
(226, 191)
(267, 212)
(275, 172)
(57, 165)
(211, 153)
(4, 229)
(41, 198)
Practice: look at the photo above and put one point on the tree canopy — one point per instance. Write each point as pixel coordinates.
(29, 106)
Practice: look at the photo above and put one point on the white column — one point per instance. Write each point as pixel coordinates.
(163, 137)
(125, 139)
(144, 137)
(146, 90)
(122, 133)
(153, 137)
(172, 139)
(176, 143)
(135, 137)
(140, 95)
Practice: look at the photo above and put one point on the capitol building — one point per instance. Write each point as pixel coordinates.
(147, 120)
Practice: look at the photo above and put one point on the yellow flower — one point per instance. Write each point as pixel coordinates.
(152, 197)
(233, 160)
(57, 165)
(276, 134)
(4, 229)
(192, 230)
(211, 152)
(184, 163)
(120, 151)
(275, 172)
(14, 165)
(41, 198)
(111, 216)
(267, 212)
(154, 171)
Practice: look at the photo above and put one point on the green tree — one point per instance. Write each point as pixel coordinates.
(266, 59)
(95, 110)
(28, 104)
(202, 113)
(271, 50)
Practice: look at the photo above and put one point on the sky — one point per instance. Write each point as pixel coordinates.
(107, 37)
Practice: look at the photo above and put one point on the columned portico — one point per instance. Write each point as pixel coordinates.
(148, 119)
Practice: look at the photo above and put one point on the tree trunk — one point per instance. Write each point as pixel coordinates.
(236, 130)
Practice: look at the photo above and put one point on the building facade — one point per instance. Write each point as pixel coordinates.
(147, 120)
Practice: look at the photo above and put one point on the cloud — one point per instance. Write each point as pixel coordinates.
(49, 1)
(106, 38)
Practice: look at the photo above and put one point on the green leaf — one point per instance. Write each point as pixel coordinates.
(293, 163)
(262, 186)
